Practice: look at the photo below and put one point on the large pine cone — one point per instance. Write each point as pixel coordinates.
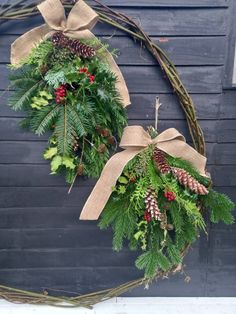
(161, 163)
(74, 45)
(185, 179)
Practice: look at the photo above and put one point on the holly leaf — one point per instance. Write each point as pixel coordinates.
(121, 189)
(56, 163)
(123, 180)
(46, 95)
(68, 163)
(50, 152)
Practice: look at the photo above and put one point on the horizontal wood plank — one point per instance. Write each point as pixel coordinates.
(181, 50)
(70, 258)
(166, 3)
(39, 176)
(225, 153)
(201, 80)
(45, 197)
(57, 196)
(83, 257)
(32, 153)
(153, 3)
(155, 21)
(84, 280)
(228, 105)
(142, 107)
(11, 130)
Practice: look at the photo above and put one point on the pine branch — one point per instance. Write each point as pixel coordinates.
(64, 131)
(151, 261)
(79, 122)
(42, 119)
(220, 207)
(26, 88)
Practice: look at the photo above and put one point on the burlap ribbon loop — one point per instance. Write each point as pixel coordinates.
(134, 140)
(78, 25)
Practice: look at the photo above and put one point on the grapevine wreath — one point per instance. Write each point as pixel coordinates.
(157, 191)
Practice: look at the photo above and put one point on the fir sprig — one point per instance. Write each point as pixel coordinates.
(164, 239)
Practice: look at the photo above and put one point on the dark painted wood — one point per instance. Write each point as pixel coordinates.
(56, 196)
(228, 105)
(157, 3)
(44, 197)
(197, 79)
(24, 176)
(10, 129)
(225, 152)
(142, 107)
(181, 50)
(160, 22)
(42, 242)
(168, 3)
(31, 153)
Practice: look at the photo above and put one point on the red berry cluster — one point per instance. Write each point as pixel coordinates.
(147, 216)
(170, 196)
(60, 93)
(89, 75)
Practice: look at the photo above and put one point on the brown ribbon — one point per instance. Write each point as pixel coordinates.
(134, 140)
(80, 21)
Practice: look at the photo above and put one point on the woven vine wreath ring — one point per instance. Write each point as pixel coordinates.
(155, 191)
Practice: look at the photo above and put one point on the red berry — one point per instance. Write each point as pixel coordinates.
(170, 195)
(147, 216)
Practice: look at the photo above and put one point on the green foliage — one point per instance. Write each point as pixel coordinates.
(163, 241)
(55, 78)
(40, 54)
(41, 100)
(59, 161)
(42, 119)
(192, 211)
(26, 85)
(74, 118)
(174, 254)
(50, 152)
(151, 261)
(176, 215)
(220, 207)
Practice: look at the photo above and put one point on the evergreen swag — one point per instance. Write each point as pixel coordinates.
(66, 87)
(157, 205)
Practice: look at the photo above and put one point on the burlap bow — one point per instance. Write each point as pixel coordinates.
(80, 21)
(134, 140)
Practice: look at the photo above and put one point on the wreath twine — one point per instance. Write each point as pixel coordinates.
(118, 20)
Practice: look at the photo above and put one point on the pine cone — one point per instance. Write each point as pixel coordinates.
(60, 40)
(82, 50)
(74, 45)
(185, 179)
(160, 161)
(102, 148)
(151, 204)
(80, 169)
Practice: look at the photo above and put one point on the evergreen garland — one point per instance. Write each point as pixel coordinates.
(67, 89)
(159, 215)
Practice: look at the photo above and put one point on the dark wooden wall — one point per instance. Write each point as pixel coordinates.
(42, 242)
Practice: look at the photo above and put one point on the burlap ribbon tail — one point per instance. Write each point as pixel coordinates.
(80, 21)
(134, 140)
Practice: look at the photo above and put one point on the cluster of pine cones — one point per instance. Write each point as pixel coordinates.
(75, 46)
(181, 175)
